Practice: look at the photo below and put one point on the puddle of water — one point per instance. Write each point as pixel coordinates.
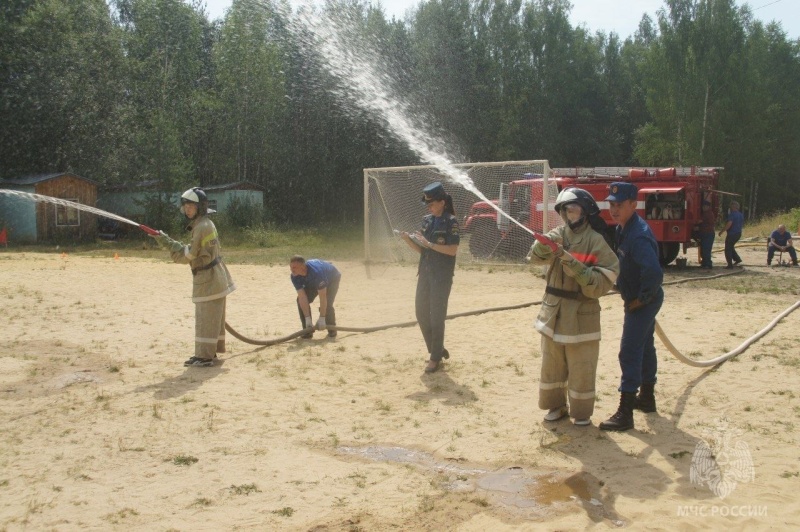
(550, 489)
(540, 492)
(62, 381)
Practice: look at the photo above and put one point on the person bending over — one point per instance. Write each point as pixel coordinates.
(312, 277)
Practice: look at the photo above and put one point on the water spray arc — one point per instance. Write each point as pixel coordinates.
(39, 198)
(368, 87)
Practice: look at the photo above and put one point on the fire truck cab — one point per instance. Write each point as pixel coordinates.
(670, 199)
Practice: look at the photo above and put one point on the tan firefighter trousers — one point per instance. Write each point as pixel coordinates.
(568, 370)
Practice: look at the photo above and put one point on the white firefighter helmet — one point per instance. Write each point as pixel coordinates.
(198, 196)
(579, 196)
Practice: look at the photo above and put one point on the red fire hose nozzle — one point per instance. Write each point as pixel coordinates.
(546, 241)
(149, 230)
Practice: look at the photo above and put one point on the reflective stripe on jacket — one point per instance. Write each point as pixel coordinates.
(203, 249)
(568, 320)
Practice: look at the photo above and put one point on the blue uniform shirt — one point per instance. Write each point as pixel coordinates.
(320, 274)
(439, 230)
(736, 218)
(780, 239)
(640, 273)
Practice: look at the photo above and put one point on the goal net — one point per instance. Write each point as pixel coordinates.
(523, 190)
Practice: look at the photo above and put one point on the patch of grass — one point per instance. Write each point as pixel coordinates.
(480, 501)
(286, 511)
(244, 489)
(334, 439)
(183, 460)
(202, 502)
(360, 479)
(426, 504)
(116, 517)
(790, 474)
(679, 454)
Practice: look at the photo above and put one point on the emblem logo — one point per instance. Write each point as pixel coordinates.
(721, 463)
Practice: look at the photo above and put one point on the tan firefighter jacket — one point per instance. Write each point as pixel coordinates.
(210, 276)
(573, 316)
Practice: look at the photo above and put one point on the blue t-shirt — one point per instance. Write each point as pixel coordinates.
(780, 239)
(319, 275)
(736, 218)
(640, 273)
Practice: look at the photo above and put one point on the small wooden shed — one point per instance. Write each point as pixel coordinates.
(31, 221)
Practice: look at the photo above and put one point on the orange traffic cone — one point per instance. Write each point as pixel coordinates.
(116, 256)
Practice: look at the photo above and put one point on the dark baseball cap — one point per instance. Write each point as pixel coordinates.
(619, 191)
(433, 192)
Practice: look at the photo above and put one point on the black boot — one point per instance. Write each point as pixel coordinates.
(623, 419)
(646, 400)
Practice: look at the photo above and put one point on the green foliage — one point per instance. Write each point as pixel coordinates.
(244, 212)
(153, 90)
(160, 210)
(794, 224)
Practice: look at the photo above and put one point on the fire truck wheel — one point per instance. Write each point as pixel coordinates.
(517, 243)
(484, 239)
(667, 252)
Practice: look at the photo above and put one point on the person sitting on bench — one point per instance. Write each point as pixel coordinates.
(781, 240)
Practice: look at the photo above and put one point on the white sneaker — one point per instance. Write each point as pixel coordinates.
(554, 414)
(582, 422)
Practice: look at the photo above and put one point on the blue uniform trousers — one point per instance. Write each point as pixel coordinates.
(771, 253)
(433, 293)
(706, 243)
(311, 294)
(637, 350)
(730, 248)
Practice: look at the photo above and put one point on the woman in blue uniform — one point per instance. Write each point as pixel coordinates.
(437, 243)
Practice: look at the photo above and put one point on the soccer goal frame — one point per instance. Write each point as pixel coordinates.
(392, 201)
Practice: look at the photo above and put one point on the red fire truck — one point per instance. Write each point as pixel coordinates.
(669, 199)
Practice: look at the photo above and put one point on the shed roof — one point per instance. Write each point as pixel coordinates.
(154, 184)
(239, 185)
(151, 184)
(40, 178)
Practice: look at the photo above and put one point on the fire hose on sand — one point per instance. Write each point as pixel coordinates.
(659, 331)
(539, 237)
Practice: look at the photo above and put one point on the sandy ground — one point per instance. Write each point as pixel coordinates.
(102, 427)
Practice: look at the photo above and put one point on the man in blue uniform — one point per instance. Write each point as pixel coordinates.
(639, 284)
(734, 228)
(781, 240)
(312, 277)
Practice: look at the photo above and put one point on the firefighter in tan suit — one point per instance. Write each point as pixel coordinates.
(211, 281)
(582, 269)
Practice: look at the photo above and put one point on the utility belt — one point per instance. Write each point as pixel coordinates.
(566, 293)
(207, 266)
